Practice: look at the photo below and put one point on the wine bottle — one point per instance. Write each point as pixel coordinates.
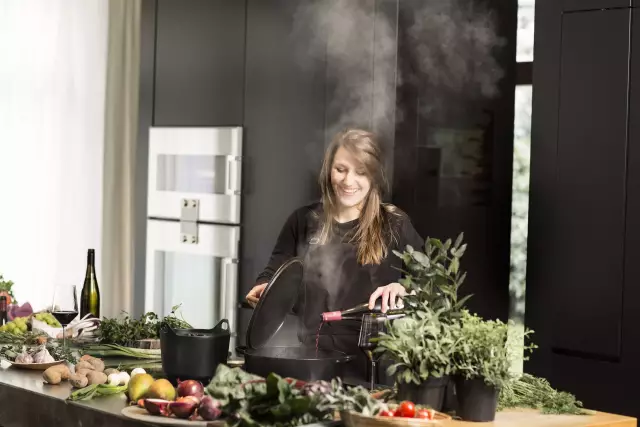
(355, 313)
(3, 310)
(90, 296)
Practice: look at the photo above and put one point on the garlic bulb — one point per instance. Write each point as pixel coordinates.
(43, 356)
(24, 357)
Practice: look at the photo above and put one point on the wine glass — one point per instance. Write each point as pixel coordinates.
(64, 307)
(372, 325)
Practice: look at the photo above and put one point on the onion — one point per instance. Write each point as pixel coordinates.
(183, 408)
(190, 388)
(209, 409)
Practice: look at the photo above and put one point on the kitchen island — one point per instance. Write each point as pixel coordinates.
(27, 401)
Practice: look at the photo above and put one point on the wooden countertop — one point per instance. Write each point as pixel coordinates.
(530, 418)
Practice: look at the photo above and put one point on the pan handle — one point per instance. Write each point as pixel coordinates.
(347, 358)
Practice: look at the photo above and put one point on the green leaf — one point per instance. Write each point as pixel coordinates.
(458, 242)
(422, 259)
(458, 253)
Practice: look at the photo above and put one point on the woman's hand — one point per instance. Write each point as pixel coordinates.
(255, 293)
(390, 294)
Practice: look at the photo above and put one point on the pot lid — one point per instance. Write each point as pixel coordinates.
(277, 300)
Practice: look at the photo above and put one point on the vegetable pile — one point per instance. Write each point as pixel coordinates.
(44, 352)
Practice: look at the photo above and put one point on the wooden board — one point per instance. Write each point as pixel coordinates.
(531, 418)
(140, 414)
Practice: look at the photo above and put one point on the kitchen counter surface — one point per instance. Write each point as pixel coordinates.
(27, 401)
(530, 418)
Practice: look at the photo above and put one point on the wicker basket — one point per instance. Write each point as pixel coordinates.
(354, 419)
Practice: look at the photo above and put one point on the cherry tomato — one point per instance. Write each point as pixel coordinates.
(406, 409)
(426, 414)
(386, 413)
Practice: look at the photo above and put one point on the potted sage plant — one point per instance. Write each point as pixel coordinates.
(421, 345)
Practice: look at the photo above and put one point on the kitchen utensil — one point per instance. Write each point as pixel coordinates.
(194, 353)
(275, 303)
(302, 363)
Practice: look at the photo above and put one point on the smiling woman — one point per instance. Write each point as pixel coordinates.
(345, 241)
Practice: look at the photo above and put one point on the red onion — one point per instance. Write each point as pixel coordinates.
(209, 409)
(182, 408)
(190, 388)
(157, 406)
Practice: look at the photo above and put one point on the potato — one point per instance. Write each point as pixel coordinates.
(64, 370)
(84, 365)
(96, 377)
(110, 371)
(86, 358)
(83, 371)
(78, 381)
(97, 364)
(52, 376)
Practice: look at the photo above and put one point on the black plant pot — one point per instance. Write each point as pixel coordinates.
(477, 401)
(430, 392)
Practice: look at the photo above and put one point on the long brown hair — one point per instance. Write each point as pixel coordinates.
(373, 232)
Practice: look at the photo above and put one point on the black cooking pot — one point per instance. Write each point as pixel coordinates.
(275, 303)
(302, 363)
(194, 354)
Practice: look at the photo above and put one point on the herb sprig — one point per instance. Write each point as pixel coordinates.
(533, 392)
(128, 329)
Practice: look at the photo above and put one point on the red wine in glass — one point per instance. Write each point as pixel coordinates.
(65, 307)
(64, 317)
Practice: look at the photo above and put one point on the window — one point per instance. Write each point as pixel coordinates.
(51, 140)
(521, 167)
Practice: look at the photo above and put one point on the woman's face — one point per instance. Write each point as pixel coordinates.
(349, 180)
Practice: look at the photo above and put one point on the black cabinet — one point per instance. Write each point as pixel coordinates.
(199, 62)
(582, 296)
(585, 5)
(590, 182)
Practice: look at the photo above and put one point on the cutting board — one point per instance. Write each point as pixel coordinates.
(141, 414)
(531, 418)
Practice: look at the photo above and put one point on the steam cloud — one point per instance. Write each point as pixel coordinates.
(450, 42)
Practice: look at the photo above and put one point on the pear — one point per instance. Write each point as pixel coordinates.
(139, 386)
(161, 389)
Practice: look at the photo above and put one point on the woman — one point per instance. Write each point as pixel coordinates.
(346, 242)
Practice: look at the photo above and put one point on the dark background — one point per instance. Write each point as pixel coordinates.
(233, 62)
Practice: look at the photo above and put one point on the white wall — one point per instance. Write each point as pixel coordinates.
(52, 82)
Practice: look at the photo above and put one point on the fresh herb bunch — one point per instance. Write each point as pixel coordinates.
(532, 392)
(128, 330)
(422, 345)
(432, 278)
(5, 286)
(249, 400)
(487, 348)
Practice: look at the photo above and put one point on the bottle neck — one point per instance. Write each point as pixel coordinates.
(91, 269)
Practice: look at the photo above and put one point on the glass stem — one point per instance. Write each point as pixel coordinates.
(373, 374)
(64, 337)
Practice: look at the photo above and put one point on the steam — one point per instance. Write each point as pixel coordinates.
(450, 45)
(359, 46)
(455, 43)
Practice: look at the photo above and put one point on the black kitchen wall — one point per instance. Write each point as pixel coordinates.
(456, 148)
(583, 298)
(238, 62)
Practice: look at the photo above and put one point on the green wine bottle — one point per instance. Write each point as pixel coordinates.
(90, 296)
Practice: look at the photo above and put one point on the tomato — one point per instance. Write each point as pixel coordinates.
(386, 413)
(425, 414)
(406, 409)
